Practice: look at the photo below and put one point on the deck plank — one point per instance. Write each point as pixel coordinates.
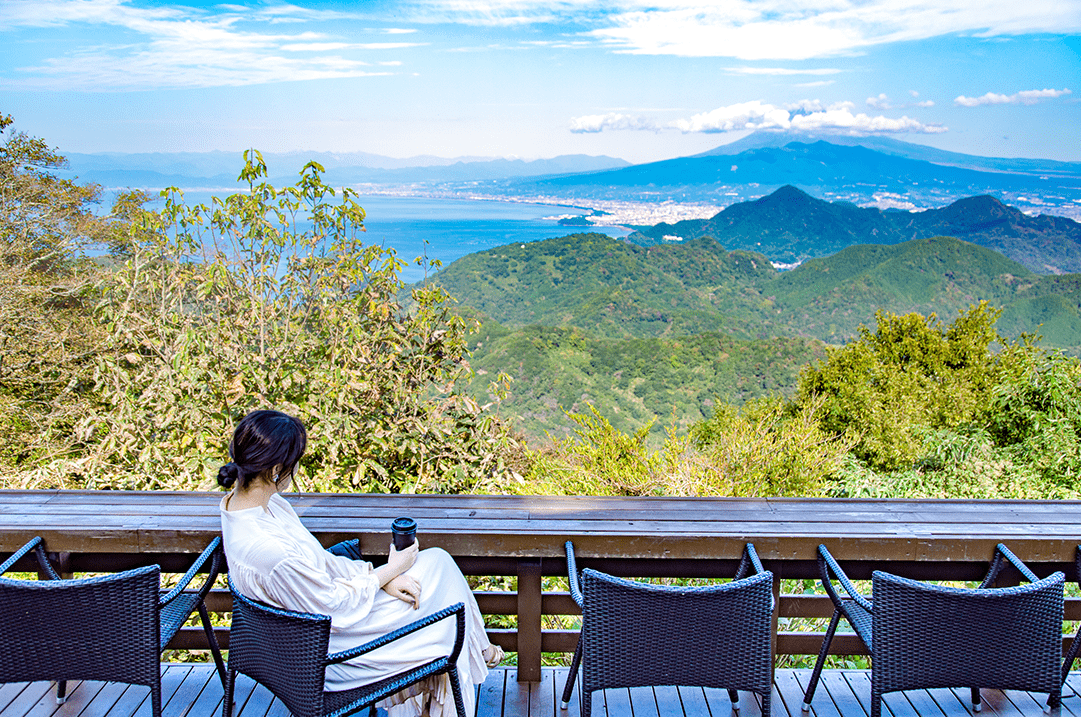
(784, 681)
(26, 700)
(644, 702)
(542, 698)
(822, 702)
(195, 691)
(490, 694)
(694, 702)
(574, 705)
(617, 703)
(841, 693)
(668, 702)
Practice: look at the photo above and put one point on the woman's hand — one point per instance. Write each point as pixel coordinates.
(397, 563)
(406, 588)
(401, 560)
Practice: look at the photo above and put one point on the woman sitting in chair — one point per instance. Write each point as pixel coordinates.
(275, 559)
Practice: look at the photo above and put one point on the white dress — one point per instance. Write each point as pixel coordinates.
(275, 559)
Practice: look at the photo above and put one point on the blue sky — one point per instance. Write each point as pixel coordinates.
(539, 78)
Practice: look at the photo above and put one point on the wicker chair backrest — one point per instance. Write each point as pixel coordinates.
(928, 636)
(636, 634)
(102, 628)
(284, 651)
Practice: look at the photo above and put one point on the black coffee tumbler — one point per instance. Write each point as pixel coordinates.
(404, 531)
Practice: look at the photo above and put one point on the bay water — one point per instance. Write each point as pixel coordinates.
(450, 228)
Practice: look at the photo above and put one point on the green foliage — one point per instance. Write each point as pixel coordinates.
(48, 342)
(760, 450)
(911, 373)
(269, 298)
(633, 382)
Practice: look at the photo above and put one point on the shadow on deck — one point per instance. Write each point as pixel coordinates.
(194, 691)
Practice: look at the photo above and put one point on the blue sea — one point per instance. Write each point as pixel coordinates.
(448, 229)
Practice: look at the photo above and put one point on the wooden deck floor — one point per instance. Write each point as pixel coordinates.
(194, 691)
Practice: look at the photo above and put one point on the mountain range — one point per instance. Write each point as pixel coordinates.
(789, 226)
(919, 177)
(220, 169)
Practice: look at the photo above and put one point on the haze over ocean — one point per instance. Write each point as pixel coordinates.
(448, 229)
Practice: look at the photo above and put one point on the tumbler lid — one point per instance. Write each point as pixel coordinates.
(404, 525)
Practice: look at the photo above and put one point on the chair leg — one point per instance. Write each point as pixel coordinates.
(766, 701)
(1053, 700)
(208, 630)
(155, 699)
(227, 700)
(568, 688)
(876, 699)
(61, 691)
(456, 688)
(976, 704)
(813, 684)
(734, 697)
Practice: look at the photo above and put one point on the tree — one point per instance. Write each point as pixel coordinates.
(47, 340)
(269, 298)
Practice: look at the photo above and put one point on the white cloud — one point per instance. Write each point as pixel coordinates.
(805, 29)
(778, 71)
(882, 102)
(745, 115)
(1025, 97)
(806, 115)
(598, 123)
(177, 46)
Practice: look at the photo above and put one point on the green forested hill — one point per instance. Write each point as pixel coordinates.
(609, 288)
(791, 225)
(631, 381)
(646, 332)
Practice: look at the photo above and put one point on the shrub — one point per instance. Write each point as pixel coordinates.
(269, 299)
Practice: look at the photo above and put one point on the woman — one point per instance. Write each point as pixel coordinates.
(274, 558)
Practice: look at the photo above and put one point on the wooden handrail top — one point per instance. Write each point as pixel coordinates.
(782, 529)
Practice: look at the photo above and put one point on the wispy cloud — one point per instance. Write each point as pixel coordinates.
(611, 121)
(780, 71)
(883, 102)
(179, 47)
(1025, 97)
(806, 115)
(765, 29)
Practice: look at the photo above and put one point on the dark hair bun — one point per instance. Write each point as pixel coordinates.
(228, 474)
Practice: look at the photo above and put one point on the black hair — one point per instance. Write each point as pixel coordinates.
(261, 441)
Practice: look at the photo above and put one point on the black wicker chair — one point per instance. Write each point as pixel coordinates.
(103, 628)
(636, 634)
(928, 636)
(286, 652)
(1075, 645)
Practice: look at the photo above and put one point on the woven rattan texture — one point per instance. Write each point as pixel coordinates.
(285, 652)
(860, 619)
(636, 634)
(103, 628)
(932, 636)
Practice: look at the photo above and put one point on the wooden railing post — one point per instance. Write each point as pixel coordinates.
(529, 620)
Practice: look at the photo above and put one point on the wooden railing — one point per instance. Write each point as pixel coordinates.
(523, 538)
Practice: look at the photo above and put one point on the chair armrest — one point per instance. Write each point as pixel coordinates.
(1002, 552)
(457, 610)
(572, 575)
(36, 545)
(212, 551)
(827, 565)
(749, 561)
